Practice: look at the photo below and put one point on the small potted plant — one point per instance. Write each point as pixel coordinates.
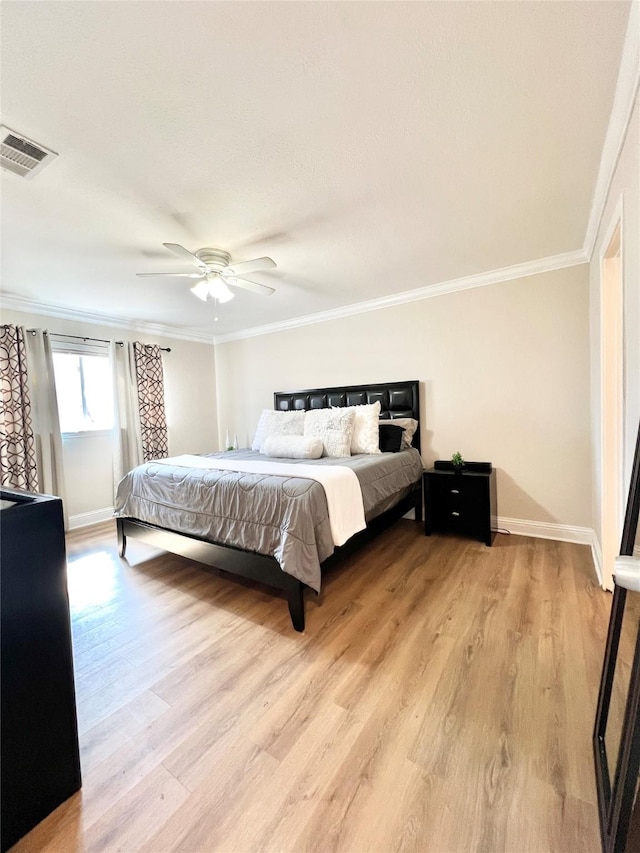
(457, 462)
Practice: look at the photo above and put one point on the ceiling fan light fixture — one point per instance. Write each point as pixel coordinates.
(216, 274)
(201, 290)
(219, 290)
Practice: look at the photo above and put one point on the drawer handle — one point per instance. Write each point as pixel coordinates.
(456, 514)
(455, 492)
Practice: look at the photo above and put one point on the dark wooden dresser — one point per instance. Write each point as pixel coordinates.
(463, 503)
(39, 751)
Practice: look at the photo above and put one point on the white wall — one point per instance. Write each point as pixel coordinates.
(190, 402)
(88, 472)
(504, 373)
(625, 189)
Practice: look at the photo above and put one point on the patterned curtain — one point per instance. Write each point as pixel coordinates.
(150, 380)
(17, 446)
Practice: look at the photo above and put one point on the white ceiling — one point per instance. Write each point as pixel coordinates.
(368, 148)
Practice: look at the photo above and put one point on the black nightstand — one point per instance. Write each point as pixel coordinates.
(463, 503)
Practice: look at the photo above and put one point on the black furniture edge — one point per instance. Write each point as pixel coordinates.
(467, 468)
(40, 759)
(616, 800)
(462, 500)
(264, 569)
(258, 567)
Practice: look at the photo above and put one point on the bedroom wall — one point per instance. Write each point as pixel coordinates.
(504, 373)
(190, 402)
(625, 188)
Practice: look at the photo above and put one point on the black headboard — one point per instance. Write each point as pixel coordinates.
(397, 399)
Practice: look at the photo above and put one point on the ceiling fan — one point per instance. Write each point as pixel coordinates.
(217, 272)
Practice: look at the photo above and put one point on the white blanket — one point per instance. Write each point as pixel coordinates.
(341, 486)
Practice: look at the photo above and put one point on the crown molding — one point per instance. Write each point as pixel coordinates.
(529, 268)
(32, 306)
(621, 112)
(627, 86)
(504, 274)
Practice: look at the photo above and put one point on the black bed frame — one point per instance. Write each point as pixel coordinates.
(397, 399)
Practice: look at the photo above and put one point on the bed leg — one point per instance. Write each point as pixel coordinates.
(419, 507)
(295, 599)
(122, 539)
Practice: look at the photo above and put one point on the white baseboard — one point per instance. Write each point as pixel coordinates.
(560, 532)
(596, 553)
(544, 530)
(84, 519)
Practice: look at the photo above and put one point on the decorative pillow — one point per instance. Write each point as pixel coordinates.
(334, 427)
(277, 423)
(409, 425)
(365, 438)
(390, 437)
(293, 446)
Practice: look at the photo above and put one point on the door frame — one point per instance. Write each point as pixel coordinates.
(612, 372)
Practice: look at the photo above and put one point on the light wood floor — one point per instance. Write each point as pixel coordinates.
(441, 699)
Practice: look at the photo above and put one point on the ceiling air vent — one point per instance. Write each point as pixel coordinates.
(22, 156)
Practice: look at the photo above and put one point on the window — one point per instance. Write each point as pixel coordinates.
(83, 387)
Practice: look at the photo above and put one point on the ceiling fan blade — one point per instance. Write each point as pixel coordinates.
(253, 286)
(177, 249)
(174, 274)
(249, 266)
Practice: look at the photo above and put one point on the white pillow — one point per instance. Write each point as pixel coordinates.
(409, 425)
(334, 427)
(277, 423)
(365, 437)
(293, 446)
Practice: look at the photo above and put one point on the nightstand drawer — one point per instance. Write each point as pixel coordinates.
(461, 503)
(458, 492)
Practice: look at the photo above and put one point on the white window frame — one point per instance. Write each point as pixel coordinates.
(81, 347)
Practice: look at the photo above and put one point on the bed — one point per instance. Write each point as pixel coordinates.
(238, 512)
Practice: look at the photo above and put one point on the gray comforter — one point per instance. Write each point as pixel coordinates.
(282, 517)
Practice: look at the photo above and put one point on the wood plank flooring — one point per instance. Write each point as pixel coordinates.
(441, 699)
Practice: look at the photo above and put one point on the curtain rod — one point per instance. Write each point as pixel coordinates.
(87, 338)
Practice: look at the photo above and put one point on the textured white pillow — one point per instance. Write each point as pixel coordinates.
(293, 446)
(334, 427)
(277, 423)
(365, 437)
